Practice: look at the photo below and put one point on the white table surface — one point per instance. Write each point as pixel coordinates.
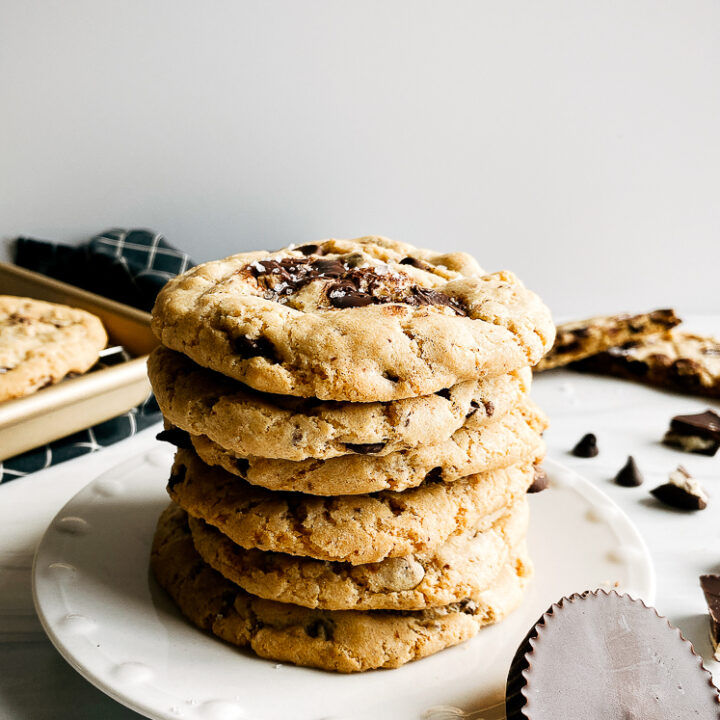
(35, 682)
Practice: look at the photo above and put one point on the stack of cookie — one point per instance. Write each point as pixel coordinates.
(354, 444)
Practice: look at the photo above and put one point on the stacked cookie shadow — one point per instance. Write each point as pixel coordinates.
(355, 441)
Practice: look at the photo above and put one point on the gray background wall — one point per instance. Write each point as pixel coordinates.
(577, 143)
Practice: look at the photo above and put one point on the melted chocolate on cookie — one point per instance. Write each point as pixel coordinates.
(348, 285)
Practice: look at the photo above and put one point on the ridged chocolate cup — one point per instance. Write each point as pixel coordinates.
(605, 655)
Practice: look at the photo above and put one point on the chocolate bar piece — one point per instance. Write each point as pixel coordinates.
(682, 491)
(698, 433)
(710, 585)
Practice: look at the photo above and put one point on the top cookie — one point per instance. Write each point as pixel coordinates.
(41, 342)
(357, 320)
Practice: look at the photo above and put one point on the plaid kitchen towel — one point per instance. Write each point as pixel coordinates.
(126, 265)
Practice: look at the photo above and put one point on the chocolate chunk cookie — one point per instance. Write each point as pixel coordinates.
(343, 641)
(677, 361)
(357, 529)
(352, 320)
(580, 339)
(249, 423)
(463, 566)
(41, 342)
(509, 440)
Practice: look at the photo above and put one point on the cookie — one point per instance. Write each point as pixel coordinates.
(41, 342)
(583, 338)
(358, 529)
(464, 565)
(677, 361)
(343, 641)
(352, 320)
(505, 442)
(249, 423)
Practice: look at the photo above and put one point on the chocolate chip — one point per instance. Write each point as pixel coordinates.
(254, 347)
(365, 448)
(177, 477)
(629, 474)
(435, 475)
(587, 447)
(637, 368)
(567, 347)
(328, 268)
(175, 436)
(540, 481)
(308, 249)
(474, 407)
(682, 491)
(321, 628)
(467, 606)
(489, 407)
(444, 393)
(414, 262)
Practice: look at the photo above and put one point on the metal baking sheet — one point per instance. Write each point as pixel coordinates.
(117, 383)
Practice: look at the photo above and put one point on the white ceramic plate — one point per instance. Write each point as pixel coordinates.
(115, 626)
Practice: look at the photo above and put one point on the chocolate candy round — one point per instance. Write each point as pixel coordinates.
(604, 655)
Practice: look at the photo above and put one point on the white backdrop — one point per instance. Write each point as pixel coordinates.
(577, 143)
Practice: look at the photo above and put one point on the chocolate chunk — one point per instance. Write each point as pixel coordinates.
(435, 475)
(489, 407)
(175, 436)
(710, 585)
(445, 393)
(365, 448)
(414, 262)
(587, 447)
(254, 347)
(698, 433)
(682, 491)
(604, 655)
(328, 268)
(540, 481)
(308, 249)
(467, 606)
(422, 296)
(321, 628)
(343, 297)
(474, 407)
(629, 475)
(177, 477)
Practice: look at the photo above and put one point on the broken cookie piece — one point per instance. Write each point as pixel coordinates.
(682, 491)
(580, 339)
(710, 585)
(677, 361)
(699, 433)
